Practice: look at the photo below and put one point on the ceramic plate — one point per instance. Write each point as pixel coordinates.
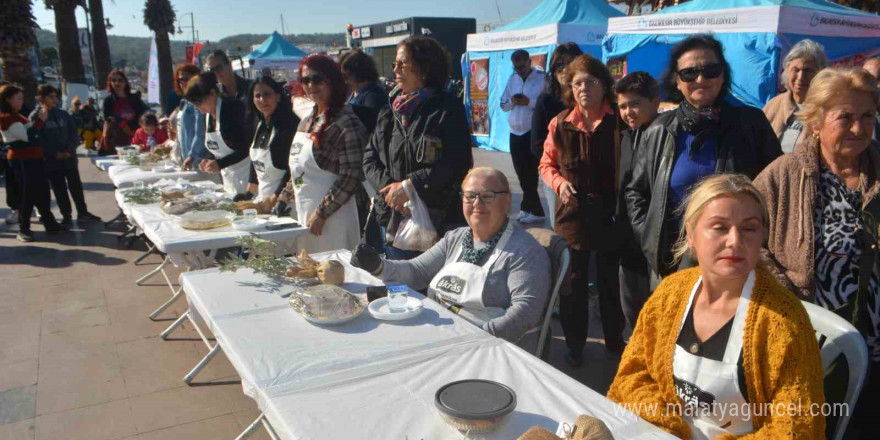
(380, 310)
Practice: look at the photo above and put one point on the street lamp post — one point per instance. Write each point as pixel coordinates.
(91, 52)
(191, 27)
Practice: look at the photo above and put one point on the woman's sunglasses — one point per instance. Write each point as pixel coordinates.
(317, 79)
(709, 71)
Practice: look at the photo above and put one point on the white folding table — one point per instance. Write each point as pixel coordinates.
(379, 376)
(124, 176)
(196, 249)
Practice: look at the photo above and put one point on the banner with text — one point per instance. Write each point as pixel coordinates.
(479, 93)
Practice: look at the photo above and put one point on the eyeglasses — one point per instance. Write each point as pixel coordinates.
(487, 197)
(399, 64)
(709, 71)
(586, 82)
(316, 78)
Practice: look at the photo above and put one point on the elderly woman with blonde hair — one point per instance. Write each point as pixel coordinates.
(824, 206)
(491, 272)
(717, 341)
(805, 59)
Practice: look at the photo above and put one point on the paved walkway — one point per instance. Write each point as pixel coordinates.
(79, 359)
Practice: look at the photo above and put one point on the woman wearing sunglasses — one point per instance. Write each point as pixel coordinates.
(706, 135)
(423, 139)
(122, 113)
(326, 160)
(492, 272)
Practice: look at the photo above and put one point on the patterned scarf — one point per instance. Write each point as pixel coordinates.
(700, 122)
(406, 104)
(474, 256)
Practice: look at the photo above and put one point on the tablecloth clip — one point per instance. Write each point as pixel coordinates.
(568, 430)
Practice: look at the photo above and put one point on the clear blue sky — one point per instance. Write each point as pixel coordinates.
(215, 19)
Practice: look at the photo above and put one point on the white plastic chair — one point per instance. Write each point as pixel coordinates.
(544, 335)
(837, 336)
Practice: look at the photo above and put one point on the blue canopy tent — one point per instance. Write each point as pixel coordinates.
(756, 35)
(275, 53)
(486, 65)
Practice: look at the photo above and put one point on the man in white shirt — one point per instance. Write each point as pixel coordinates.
(519, 99)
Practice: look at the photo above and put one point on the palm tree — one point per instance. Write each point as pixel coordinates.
(159, 17)
(67, 35)
(17, 37)
(100, 44)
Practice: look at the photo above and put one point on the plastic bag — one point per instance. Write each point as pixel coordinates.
(416, 231)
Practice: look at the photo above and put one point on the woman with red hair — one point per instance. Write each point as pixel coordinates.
(326, 160)
(122, 111)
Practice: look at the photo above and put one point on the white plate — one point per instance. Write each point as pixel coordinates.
(249, 224)
(380, 310)
(167, 169)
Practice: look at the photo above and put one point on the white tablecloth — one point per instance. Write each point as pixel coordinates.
(371, 379)
(124, 176)
(105, 162)
(168, 237)
(242, 309)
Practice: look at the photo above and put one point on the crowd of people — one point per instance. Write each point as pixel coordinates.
(701, 227)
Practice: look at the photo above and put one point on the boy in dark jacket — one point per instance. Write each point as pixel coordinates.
(59, 139)
(638, 99)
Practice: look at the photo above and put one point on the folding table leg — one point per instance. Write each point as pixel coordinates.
(151, 249)
(173, 326)
(192, 374)
(115, 219)
(167, 304)
(249, 431)
(131, 229)
(153, 272)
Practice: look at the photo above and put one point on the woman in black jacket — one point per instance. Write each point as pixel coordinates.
(423, 138)
(704, 136)
(270, 149)
(122, 110)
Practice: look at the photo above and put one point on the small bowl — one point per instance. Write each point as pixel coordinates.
(475, 406)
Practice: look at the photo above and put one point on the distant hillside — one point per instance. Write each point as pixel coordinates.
(135, 51)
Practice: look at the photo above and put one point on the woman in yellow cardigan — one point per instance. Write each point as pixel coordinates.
(722, 350)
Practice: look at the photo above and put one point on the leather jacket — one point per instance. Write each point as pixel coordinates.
(746, 143)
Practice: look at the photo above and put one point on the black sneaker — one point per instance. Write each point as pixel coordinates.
(25, 236)
(66, 222)
(88, 216)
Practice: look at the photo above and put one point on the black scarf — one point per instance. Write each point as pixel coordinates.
(474, 256)
(700, 122)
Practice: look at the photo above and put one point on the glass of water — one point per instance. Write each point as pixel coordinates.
(398, 296)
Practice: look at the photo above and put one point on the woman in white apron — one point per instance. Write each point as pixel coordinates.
(722, 350)
(325, 161)
(492, 273)
(225, 135)
(270, 148)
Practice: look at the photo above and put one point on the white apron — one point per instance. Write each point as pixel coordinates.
(268, 177)
(310, 185)
(235, 176)
(459, 286)
(715, 381)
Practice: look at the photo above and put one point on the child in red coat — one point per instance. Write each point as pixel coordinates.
(149, 130)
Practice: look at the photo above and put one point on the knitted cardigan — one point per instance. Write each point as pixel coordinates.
(780, 358)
